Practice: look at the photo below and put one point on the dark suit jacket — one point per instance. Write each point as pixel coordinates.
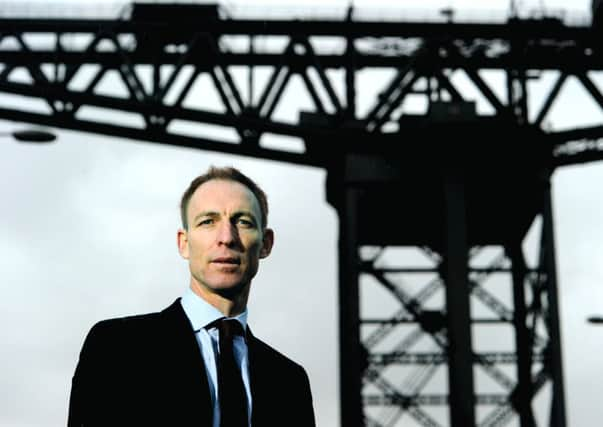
(148, 370)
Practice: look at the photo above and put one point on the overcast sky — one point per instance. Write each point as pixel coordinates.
(88, 232)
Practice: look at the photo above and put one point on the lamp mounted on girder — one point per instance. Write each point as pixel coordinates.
(31, 135)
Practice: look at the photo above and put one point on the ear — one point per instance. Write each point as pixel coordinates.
(267, 243)
(182, 240)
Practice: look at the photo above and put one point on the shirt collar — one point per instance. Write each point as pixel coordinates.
(201, 313)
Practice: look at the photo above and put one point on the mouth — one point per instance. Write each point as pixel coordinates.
(226, 261)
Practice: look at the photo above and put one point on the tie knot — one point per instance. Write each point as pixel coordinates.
(229, 328)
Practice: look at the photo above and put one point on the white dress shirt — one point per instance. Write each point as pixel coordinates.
(200, 314)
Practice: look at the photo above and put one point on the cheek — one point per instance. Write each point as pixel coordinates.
(253, 252)
(198, 244)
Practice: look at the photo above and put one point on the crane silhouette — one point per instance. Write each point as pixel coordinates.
(456, 187)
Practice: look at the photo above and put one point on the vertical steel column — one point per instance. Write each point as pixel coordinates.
(350, 80)
(460, 354)
(524, 392)
(517, 94)
(556, 365)
(350, 375)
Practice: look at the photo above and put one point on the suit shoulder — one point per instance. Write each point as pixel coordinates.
(125, 327)
(279, 372)
(273, 356)
(127, 321)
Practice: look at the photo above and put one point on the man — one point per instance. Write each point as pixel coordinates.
(196, 363)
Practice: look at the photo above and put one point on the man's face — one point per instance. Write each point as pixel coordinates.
(224, 240)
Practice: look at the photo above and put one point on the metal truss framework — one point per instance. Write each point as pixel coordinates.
(388, 395)
(61, 64)
(54, 72)
(478, 322)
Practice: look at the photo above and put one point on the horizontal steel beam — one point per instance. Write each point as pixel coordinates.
(514, 29)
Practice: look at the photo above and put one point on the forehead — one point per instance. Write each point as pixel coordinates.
(223, 195)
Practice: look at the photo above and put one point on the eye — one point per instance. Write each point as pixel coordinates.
(206, 221)
(247, 223)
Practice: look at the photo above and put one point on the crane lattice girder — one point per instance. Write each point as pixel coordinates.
(157, 67)
(150, 57)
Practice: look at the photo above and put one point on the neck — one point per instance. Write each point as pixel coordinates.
(229, 305)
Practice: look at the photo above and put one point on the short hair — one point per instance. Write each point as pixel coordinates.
(227, 173)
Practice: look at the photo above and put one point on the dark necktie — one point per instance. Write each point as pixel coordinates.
(231, 391)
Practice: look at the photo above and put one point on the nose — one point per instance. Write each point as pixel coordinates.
(227, 233)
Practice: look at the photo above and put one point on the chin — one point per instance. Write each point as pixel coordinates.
(228, 284)
(230, 291)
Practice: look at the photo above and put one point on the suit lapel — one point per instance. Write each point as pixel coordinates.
(259, 395)
(189, 376)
